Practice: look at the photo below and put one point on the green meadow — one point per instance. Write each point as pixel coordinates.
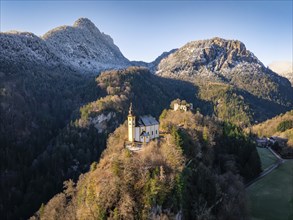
(266, 157)
(271, 198)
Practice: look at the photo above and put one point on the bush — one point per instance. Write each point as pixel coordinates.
(285, 125)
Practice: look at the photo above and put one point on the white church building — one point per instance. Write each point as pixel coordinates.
(142, 129)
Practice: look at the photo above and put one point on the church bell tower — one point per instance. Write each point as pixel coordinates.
(131, 124)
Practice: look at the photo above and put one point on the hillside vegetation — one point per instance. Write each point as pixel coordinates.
(70, 151)
(281, 126)
(56, 139)
(194, 171)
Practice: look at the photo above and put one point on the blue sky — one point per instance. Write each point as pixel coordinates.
(144, 29)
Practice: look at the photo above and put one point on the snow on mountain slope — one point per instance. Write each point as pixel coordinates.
(226, 61)
(85, 47)
(24, 47)
(81, 46)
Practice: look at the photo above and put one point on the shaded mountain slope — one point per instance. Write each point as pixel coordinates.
(35, 104)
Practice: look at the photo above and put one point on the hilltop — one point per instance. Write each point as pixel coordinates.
(192, 171)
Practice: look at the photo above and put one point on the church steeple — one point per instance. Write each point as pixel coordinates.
(131, 124)
(130, 112)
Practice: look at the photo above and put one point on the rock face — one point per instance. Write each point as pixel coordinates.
(283, 68)
(206, 57)
(226, 61)
(81, 46)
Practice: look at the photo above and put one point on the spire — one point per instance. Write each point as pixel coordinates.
(130, 109)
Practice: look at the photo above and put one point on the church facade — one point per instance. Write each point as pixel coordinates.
(143, 128)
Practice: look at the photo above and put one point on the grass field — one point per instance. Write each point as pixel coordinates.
(266, 157)
(271, 198)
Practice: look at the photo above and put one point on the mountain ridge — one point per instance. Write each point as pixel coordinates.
(81, 46)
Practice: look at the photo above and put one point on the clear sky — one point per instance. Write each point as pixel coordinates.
(144, 29)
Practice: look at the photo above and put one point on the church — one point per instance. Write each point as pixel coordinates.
(142, 129)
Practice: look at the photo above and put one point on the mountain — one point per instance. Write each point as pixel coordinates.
(283, 68)
(85, 47)
(81, 47)
(217, 62)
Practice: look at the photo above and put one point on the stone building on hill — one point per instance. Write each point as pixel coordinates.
(142, 128)
(183, 106)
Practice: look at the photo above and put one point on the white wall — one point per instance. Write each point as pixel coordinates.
(151, 130)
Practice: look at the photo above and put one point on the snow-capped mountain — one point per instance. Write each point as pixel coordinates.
(207, 57)
(84, 46)
(81, 46)
(226, 61)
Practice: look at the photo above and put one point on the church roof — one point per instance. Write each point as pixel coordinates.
(147, 120)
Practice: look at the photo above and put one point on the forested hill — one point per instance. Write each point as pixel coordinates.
(37, 155)
(53, 156)
(37, 170)
(195, 170)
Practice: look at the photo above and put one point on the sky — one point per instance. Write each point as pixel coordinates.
(144, 29)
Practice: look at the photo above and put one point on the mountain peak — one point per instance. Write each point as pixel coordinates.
(84, 23)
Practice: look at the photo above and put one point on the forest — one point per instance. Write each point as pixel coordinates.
(195, 170)
(53, 131)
